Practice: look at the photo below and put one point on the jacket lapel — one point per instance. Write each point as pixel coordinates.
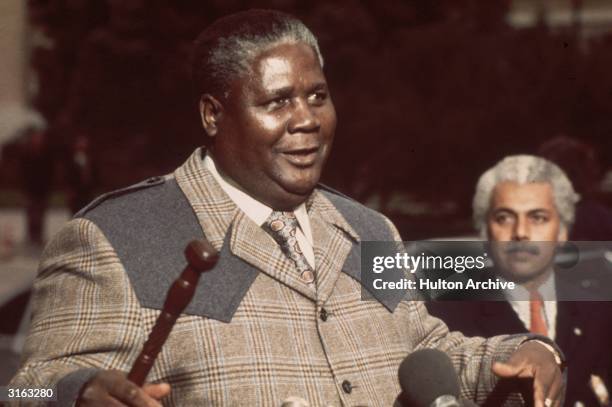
(213, 208)
(255, 246)
(569, 329)
(222, 221)
(334, 242)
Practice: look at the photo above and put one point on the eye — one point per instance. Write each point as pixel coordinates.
(539, 218)
(502, 218)
(317, 98)
(277, 103)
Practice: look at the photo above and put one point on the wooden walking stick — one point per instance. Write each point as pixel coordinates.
(201, 257)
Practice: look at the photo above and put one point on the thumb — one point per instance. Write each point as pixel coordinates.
(505, 369)
(157, 391)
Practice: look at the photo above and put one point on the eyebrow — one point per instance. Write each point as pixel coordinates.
(318, 86)
(502, 209)
(512, 211)
(287, 90)
(283, 91)
(539, 210)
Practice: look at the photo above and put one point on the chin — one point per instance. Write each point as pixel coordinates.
(301, 185)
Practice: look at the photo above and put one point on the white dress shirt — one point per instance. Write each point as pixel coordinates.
(519, 300)
(259, 212)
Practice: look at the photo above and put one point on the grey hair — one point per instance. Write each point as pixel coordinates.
(225, 50)
(524, 169)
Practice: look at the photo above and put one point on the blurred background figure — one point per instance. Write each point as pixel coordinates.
(581, 163)
(81, 174)
(525, 207)
(36, 165)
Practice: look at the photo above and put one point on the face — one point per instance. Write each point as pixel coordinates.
(524, 226)
(276, 127)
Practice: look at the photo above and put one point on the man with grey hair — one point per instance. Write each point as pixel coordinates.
(280, 317)
(524, 206)
(525, 169)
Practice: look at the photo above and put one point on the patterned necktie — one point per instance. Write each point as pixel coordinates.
(282, 227)
(536, 305)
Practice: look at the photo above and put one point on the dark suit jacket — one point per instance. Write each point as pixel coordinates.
(583, 332)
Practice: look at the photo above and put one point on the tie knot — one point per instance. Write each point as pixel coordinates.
(535, 296)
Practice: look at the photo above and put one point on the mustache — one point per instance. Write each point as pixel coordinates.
(518, 247)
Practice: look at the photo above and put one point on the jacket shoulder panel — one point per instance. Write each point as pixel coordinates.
(149, 182)
(368, 223)
(149, 225)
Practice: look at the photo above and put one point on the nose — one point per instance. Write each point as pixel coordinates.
(303, 118)
(521, 229)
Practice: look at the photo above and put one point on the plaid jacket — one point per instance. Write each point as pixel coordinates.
(87, 316)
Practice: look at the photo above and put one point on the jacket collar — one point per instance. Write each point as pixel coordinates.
(220, 218)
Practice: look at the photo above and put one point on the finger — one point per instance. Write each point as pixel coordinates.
(504, 369)
(110, 401)
(548, 384)
(556, 388)
(96, 395)
(508, 370)
(157, 391)
(130, 394)
(538, 394)
(98, 398)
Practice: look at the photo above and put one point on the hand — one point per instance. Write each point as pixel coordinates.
(532, 359)
(112, 388)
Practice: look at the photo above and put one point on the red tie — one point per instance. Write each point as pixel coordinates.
(538, 325)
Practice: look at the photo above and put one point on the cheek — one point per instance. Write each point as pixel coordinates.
(270, 123)
(499, 233)
(547, 233)
(328, 122)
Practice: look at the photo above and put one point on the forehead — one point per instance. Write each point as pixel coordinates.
(282, 65)
(523, 197)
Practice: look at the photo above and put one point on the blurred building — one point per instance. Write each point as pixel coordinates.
(428, 93)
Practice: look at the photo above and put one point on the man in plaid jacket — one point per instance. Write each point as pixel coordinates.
(276, 318)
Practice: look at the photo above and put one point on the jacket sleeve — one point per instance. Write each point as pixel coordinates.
(473, 357)
(85, 315)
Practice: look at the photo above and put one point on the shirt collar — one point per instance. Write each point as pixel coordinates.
(257, 211)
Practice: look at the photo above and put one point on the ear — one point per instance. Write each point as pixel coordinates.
(211, 111)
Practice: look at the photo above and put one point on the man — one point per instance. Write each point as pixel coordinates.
(275, 319)
(525, 206)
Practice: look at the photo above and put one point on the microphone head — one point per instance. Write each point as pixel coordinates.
(425, 375)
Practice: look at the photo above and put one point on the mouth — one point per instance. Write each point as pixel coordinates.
(302, 157)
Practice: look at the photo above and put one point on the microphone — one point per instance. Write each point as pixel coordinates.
(428, 379)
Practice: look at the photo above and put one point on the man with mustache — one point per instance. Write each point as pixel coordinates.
(524, 206)
(281, 315)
